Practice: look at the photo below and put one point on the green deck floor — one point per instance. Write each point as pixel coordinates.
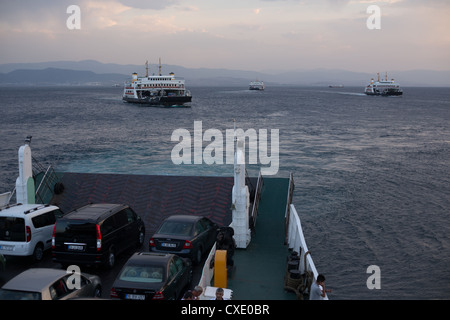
(260, 268)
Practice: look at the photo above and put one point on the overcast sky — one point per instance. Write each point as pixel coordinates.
(255, 35)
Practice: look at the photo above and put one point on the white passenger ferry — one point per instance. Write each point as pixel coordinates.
(383, 87)
(256, 85)
(157, 90)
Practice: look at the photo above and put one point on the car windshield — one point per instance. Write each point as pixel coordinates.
(12, 229)
(19, 295)
(141, 273)
(176, 228)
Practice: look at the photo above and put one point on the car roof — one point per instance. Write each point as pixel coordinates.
(92, 212)
(184, 218)
(146, 257)
(19, 210)
(34, 279)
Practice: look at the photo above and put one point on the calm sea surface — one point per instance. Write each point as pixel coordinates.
(372, 174)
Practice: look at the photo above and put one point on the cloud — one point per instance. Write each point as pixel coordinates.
(149, 4)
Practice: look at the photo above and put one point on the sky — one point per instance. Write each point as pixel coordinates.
(256, 35)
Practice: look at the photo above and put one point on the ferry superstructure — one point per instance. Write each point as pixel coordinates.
(157, 90)
(383, 87)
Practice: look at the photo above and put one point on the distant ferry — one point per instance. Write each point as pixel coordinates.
(256, 85)
(336, 86)
(383, 87)
(157, 90)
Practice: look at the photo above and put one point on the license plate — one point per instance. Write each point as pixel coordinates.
(135, 296)
(75, 247)
(6, 248)
(168, 245)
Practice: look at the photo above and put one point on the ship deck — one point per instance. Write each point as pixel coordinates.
(152, 197)
(260, 268)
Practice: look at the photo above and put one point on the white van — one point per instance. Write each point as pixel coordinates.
(26, 229)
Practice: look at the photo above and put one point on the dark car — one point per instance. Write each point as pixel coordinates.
(95, 234)
(50, 284)
(152, 276)
(187, 236)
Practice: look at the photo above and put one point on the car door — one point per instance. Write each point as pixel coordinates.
(133, 225)
(210, 231)
(47, 230)
(184, 268)
(174, 279)
(200, 235)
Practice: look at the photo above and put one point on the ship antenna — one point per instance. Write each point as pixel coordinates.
(160, 66)
(378, 76)
(146, 68)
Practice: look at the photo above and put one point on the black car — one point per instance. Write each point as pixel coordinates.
(187, 236)
(152, 276)
(95, 234)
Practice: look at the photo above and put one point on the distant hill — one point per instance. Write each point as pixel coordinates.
(49, 76)
(94, 72)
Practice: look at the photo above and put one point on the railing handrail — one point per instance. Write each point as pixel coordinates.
(207, 272)
(296, 240)
(258, 189)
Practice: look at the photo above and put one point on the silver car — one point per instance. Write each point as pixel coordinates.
(51, 284)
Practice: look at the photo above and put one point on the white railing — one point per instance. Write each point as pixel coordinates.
(297, 242)
(207, 275)
(208, 269)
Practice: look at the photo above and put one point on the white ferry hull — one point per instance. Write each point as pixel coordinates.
(160, 101)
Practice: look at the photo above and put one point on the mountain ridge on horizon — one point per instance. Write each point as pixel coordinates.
(110, 73)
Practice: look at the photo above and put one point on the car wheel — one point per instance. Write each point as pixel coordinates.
(38, 252)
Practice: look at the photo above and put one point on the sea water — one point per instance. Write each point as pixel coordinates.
(372, 174)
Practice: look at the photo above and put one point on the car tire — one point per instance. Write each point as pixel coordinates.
(38, 252)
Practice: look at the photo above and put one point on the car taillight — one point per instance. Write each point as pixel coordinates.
(53, 237)
(113, 293)
(99, 238)
(28, 231)
(158, 296)
(151, 242)
(187, 245)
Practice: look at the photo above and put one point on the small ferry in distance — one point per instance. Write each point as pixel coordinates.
(157, 90)
(256, 85)
(383, 87)
(336, 86)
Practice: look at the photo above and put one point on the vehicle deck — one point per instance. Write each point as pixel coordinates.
(152, 197)
(260, 268)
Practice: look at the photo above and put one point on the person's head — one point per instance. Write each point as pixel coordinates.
(320, 278)
(197, 291)
(188, 295)
(219, 294)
